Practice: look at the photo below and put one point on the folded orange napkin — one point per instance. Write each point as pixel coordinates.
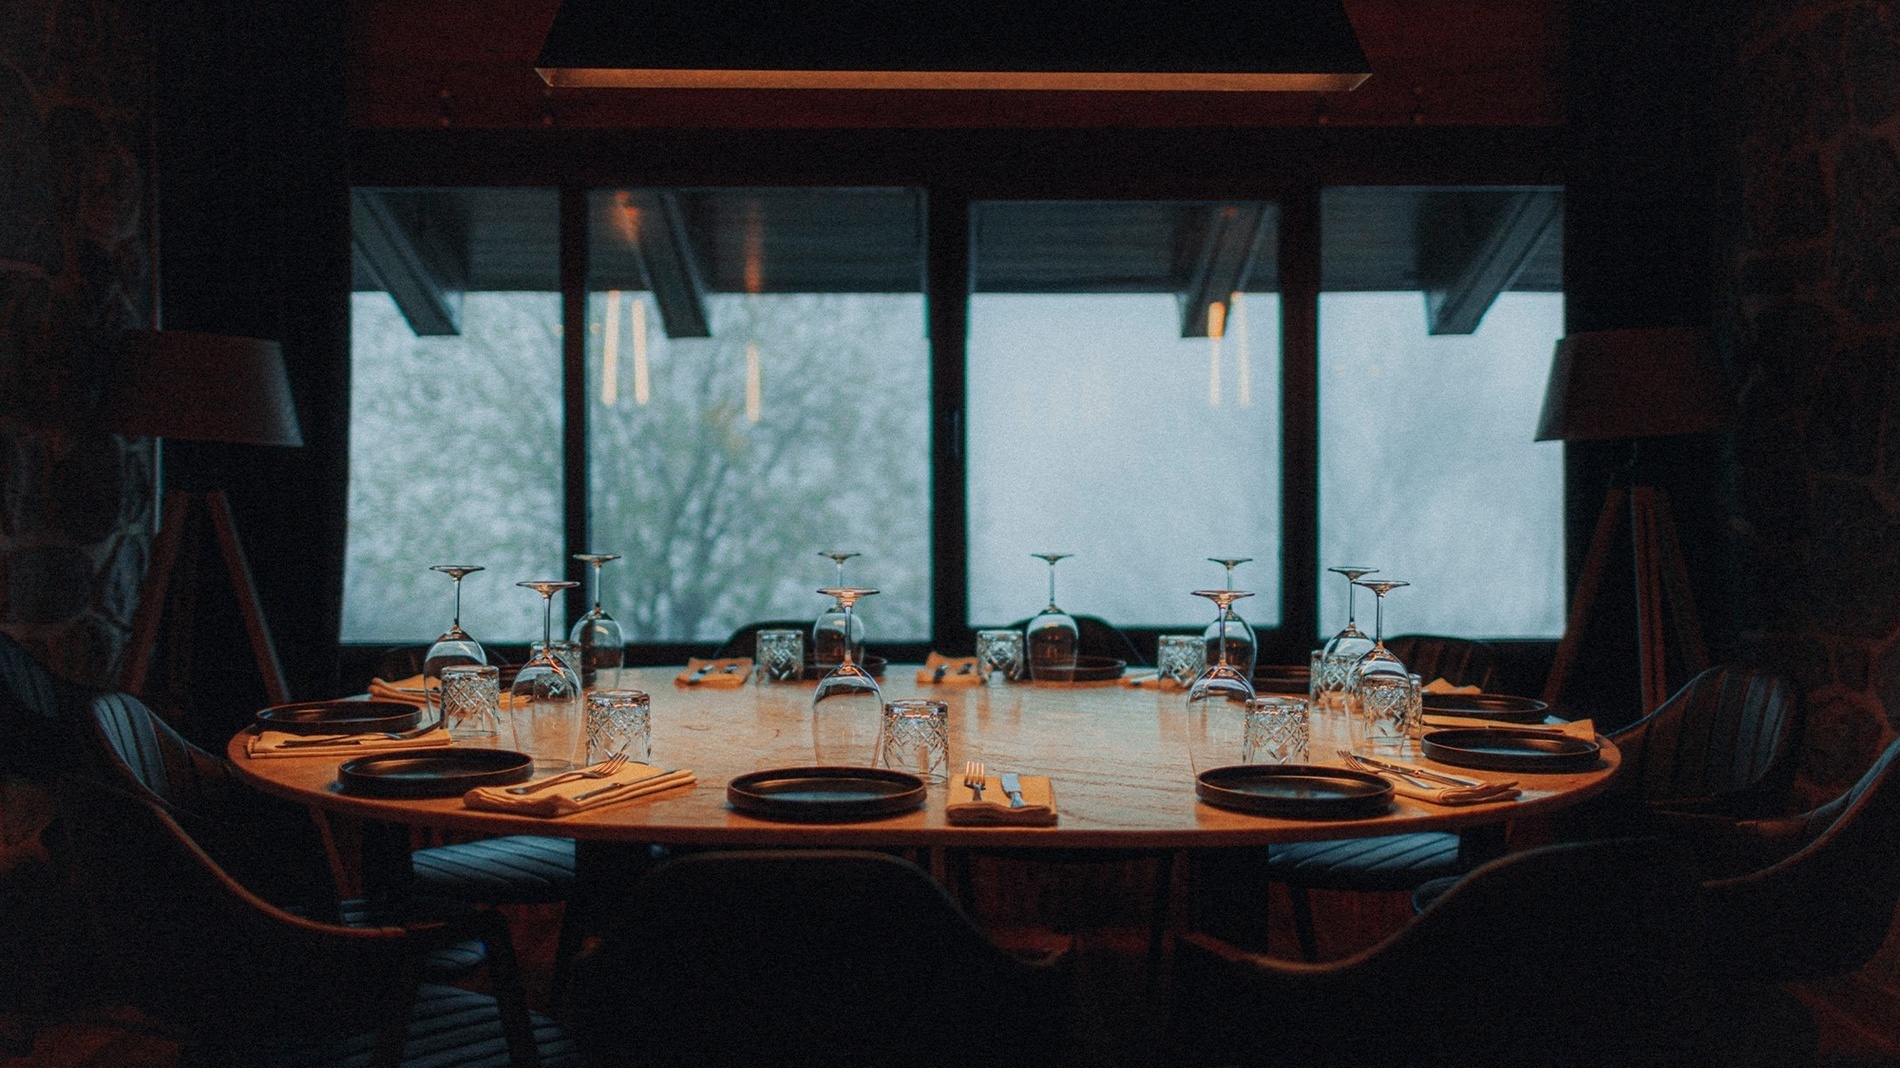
(1455, 795)
(1038, 809)
(732, 671)
(409, 689)
(283, 744)
(579, 795)
(1441, 686)
(940, 670)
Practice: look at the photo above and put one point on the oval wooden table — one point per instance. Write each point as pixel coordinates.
(1116, 757)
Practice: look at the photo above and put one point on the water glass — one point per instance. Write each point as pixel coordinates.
(1315, 685)
(1000, 650)
(781, 655)
(916, 739)
(471, 702)
(1180, 658)
(1384, 712)
(1278, 731)
(619, 721)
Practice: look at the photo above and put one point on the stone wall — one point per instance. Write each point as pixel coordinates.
(75, 502)
(1810, 288)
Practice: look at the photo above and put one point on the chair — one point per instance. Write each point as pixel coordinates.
(1504, 969)
(1459, 661)
(809, 957)
(1096, 636)
(745, 640)
(1725, 742)
(248, 983)
(36, 714)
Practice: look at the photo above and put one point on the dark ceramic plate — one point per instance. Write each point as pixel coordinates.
(1496, 706)
(825, 794)
(1293, 679)
(339, 717)
(432, 772)
(1295, 791)
(1510, 749)
(1087, 669)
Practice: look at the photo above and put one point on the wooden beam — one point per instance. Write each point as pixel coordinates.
(667, 257)
(1220, 266)
(1470, 251)
(418, 252)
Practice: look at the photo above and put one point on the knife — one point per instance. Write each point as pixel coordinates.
(1014, 788)
(941, 668)
(698, 673)
(1425, 773)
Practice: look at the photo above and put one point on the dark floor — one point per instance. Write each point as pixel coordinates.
(1119, 1016)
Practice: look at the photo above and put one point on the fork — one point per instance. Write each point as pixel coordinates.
(1353, 761)
(973, 777)
(598, 771)
(358, 739)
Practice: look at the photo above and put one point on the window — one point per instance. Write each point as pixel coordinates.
(747, 376)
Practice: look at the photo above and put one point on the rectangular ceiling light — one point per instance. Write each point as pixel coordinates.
(1235, 46)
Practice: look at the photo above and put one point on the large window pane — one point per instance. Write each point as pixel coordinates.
(1427, 467)
(723, 465)
(1097, 428)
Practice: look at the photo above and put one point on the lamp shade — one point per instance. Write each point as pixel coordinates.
(1634, 384)
(936, 44)
(202, 387)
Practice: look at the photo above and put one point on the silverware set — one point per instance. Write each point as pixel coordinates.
(598, 771)
(359, 739)
(1423, 778)
(975, 777)
(708, 669)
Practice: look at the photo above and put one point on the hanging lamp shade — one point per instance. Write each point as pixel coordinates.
(202, 387)
(1258, 45)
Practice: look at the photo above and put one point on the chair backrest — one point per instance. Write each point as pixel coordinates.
(185, 941)
(1504, 968)
(143, 751)
(1825, 906)
(1727, 742)
(36, 714)
(1459, 661)
(1096, 636)
(802, 957)
(745, 640)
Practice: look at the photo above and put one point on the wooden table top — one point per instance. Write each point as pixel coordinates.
(1116, 756)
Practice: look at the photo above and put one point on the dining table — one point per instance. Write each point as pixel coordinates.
(1116, 757)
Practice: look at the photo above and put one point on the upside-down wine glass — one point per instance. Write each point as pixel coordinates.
(598, 634)
(1242, 647)
(1217, 698)
(1351, 643)
(1051, 639)
(847, 710)
(1379, 684)
(829, 630)
(546, 697)
(453, 647)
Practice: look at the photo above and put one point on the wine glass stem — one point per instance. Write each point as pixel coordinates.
(1052, 584)
(458, 603)
(1352, 615)
(596, 587)
(847, 628)
(1378, 618)
(547, 621)
(1223, 635)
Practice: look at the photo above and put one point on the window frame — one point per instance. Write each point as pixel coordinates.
(953, 168)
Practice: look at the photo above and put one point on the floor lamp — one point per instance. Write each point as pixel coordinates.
(200, 387)
(1629, 385)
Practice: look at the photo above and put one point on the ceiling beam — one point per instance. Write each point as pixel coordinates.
(1472, 246)
(416, 247)
(1221, 264)
(666, 255)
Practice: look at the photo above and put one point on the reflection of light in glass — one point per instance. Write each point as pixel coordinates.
(641, 391)
(1216, 326)
(754, 249)
(1243, 362)
(752, 392)
(610, 353)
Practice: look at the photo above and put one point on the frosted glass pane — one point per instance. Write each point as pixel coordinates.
(1428, 470)
(455, 458)
(1095, 428)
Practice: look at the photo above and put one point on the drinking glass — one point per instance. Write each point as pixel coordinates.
(569, 652)
(453, 647)
(598, 634)
(781, 655)
(1000, 650)
(1279, 731)
(916, 739)
(1242, 647)
(1379, 691)
(619, 721)
(471, 702)
(1052, 637)
(848, 708)
(1180, 658)
(1217, 700)
(546, 697)
(1337, 658)
(834, 623)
